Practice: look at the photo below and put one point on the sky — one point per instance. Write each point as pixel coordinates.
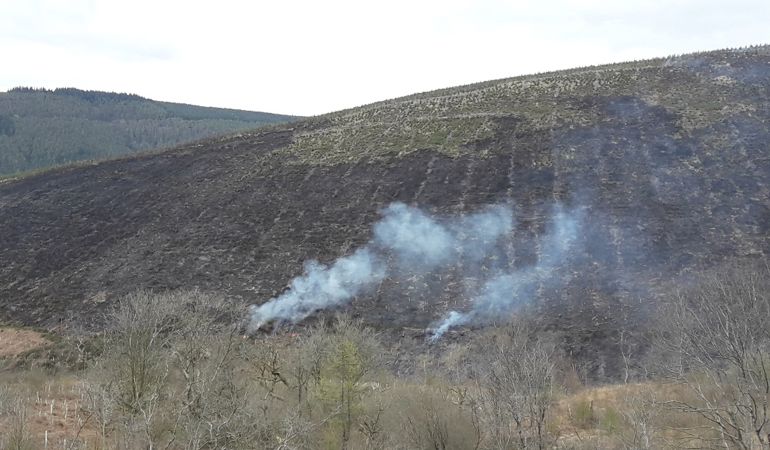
(309, 57)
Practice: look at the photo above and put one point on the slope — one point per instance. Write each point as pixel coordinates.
(669, 158)
(41, 128)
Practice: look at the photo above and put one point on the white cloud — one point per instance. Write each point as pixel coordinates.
(311, 57)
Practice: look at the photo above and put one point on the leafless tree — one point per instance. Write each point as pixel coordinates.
(304, 360)
(432, 418)
(372, 428)
(99, 405)
(640, 411)
(210, 402)
(517, 387)
(717, 335)
(169, 374)
(13, 409)
(135, 361)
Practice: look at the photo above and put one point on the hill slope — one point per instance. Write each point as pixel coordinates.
(41, 128)
(668, 158)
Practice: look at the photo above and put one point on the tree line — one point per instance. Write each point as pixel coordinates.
(41, 128)
(174, 370)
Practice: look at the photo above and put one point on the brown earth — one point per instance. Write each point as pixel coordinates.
(52, 410)
(14, 341)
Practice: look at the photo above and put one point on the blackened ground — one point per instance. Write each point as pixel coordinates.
(239, 217)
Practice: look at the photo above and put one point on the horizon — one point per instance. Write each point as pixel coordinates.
(256, 57)
(438, 88)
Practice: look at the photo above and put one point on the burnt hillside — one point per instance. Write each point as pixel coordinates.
(669, 158)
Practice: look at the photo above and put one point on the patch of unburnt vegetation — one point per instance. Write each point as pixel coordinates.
(698, 91)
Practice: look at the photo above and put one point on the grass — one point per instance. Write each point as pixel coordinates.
(42, 410)
(15, 341)
(450, 120)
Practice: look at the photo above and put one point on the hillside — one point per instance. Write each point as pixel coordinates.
(41, 128)
(668, 159)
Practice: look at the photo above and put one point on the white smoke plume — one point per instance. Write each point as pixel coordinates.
(505, 293)
(407, 240)
(415, 240)
(321, 287)
(423, 243)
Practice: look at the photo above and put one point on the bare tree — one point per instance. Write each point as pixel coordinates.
(717, 335)
(640, 411)
(431, 431)
(212, 404)
(303, 361)
(169, 375)
(371, 425)
(517, 387)
(433, 418)
(13, 409)
(98, 404)
(135, 360)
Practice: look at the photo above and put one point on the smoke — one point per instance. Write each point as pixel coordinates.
(321, 287)
(503, 294)
(407, 240)
(423, 243)
(418, 240)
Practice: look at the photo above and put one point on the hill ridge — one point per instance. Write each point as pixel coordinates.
(757, 49)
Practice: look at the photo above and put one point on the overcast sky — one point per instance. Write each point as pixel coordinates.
(315, 56)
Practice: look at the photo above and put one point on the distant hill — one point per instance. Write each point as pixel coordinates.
(41, 128)
(669, 158)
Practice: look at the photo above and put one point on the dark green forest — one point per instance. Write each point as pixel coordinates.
(41, 128)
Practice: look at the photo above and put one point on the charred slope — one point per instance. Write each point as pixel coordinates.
(669, 157)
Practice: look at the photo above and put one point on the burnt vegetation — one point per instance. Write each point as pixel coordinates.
(654, 337)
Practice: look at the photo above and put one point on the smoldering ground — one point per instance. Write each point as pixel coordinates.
(484, 265)
(408, 241)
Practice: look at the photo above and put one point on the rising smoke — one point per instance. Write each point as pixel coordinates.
(408, 240)
(322, 287)
(506, 292)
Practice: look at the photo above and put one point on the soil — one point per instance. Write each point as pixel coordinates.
(14, 342)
